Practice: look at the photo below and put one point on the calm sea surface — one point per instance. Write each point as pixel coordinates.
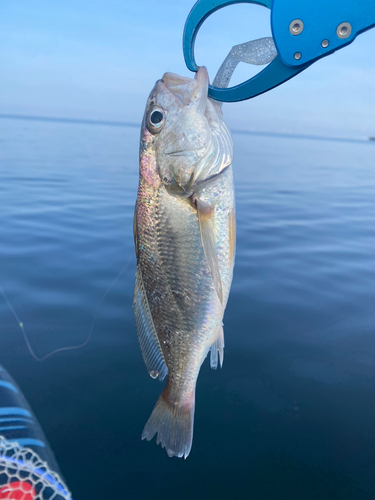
(291, 416)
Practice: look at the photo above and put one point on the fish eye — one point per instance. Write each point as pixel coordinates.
(155, 119)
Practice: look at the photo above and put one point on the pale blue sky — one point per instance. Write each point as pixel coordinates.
(99, 60)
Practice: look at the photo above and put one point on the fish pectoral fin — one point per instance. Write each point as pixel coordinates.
(147, 336)
(207, 232)
(217, 350)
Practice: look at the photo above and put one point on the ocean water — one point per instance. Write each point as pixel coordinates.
(291, 415)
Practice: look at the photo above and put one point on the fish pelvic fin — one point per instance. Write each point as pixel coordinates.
(173, 424)
(217, 350)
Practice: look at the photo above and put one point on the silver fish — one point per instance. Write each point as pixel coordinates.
(184, 230)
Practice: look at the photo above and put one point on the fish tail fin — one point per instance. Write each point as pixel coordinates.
(173, 424)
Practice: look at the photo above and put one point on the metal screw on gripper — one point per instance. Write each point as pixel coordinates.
(296, 27)
(344, 30)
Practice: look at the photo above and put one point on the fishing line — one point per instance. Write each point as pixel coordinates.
(68, 348)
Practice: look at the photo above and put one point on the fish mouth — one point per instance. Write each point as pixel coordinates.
(189, 91)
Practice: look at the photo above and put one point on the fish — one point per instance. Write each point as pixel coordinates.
(184, 233)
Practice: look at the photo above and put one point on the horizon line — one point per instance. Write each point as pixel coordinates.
(114, 123)
(84, 121)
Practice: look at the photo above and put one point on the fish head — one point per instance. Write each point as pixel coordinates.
(183, 125)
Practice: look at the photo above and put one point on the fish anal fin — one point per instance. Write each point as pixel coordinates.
(207, 232)
(147, 336)
(217, 350)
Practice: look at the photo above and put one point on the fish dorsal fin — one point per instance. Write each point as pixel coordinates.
(147, 336)
(207, 231)
(217, 350)
(135, 231)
